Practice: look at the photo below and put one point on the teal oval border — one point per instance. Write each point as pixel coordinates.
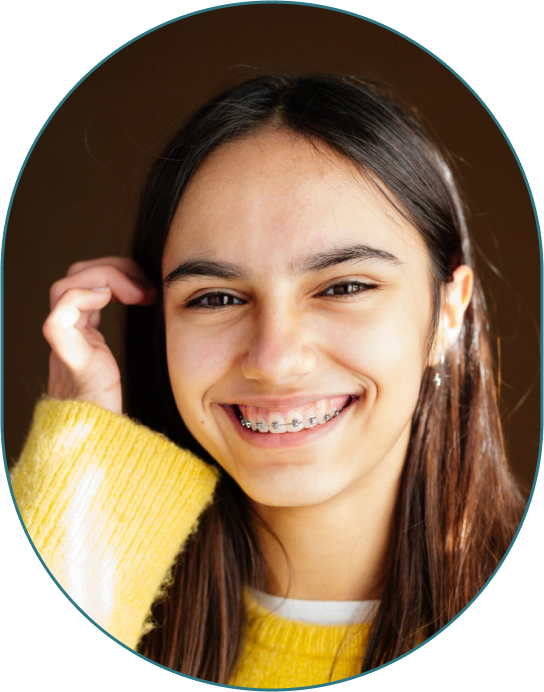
(46, 641)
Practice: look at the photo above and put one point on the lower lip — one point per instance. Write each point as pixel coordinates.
(287, 439)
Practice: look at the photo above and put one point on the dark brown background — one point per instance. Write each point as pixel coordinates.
(78, 193)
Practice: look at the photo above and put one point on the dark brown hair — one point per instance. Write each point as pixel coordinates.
(458, 506)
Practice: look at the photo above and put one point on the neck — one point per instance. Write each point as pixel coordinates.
(335, 551)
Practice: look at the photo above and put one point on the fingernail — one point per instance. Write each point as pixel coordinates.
(102, 289)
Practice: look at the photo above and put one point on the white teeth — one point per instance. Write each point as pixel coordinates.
(295, 423)
(276, 423)
(321, 410)
(311, 422)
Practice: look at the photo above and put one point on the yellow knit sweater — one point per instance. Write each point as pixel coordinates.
(109, 505)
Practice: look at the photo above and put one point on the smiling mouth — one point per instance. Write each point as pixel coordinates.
(324, 412)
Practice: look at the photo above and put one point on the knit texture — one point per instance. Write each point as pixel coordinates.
(109, 504)
(284, 653)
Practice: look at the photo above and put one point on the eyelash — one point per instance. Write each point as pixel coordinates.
(197, 304)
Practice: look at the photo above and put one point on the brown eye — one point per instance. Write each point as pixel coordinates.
(216, 300)
(347, 288)
(213, 301)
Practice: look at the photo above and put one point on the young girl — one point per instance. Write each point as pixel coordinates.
(317, 481)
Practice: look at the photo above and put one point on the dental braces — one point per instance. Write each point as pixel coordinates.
(296, 423)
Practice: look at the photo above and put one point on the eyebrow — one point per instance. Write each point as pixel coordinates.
(312, 263)
(349, 253)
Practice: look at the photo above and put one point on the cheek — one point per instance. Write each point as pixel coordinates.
(196, 364)
(387, 348)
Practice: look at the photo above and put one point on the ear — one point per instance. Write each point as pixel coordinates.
(457, 295)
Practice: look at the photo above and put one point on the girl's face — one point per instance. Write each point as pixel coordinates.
(293, 289)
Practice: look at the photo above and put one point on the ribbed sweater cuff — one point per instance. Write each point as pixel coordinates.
(108, 504)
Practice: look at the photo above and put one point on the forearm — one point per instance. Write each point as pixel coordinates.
(108, 505)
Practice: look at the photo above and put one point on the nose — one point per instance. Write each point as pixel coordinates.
(280, 349)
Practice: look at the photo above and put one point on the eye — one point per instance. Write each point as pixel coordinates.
(214, 301)
(348, 288)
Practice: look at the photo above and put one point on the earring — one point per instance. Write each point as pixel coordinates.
(437, 378)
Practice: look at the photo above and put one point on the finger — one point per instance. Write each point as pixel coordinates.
(60, 330)
(89, 319)
(124, 264)
(94, 318)
(123, 287)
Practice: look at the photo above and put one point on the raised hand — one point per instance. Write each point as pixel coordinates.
(81, 365)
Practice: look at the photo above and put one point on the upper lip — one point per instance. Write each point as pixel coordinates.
(285, 402)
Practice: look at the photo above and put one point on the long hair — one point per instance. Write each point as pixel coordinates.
(458, 506)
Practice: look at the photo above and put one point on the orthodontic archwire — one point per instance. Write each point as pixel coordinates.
(275, 425)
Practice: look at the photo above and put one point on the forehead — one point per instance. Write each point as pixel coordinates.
(272, 197)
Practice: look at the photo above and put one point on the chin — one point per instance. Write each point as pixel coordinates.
(288, 487)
